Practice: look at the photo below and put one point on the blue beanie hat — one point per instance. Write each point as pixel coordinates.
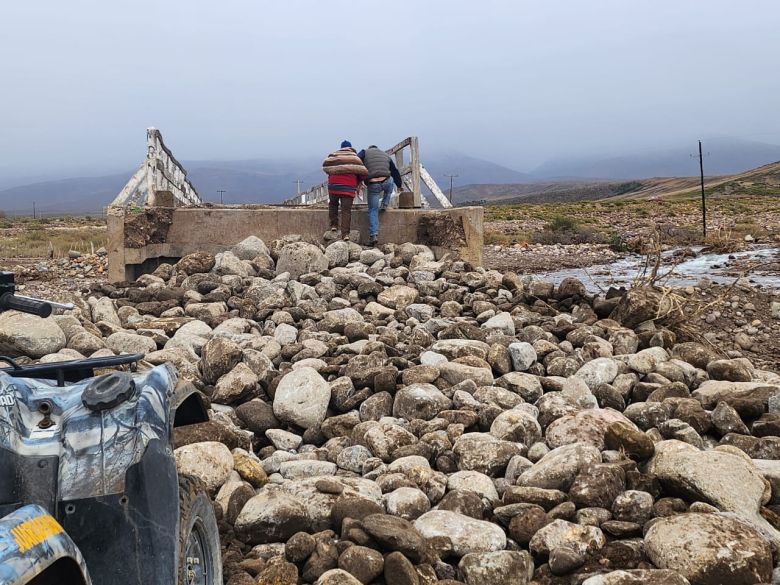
(346, 144)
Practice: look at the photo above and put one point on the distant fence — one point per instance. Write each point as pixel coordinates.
(414, 176)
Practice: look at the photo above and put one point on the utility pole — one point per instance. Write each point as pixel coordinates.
(298, 182)
(221, 192)
(703, 197)
(451, 178)
(33, 209)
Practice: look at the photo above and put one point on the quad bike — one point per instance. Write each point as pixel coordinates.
(89, 492)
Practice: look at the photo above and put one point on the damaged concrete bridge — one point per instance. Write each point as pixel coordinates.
(159, 216)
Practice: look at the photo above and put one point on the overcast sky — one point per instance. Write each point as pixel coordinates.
(513, 81)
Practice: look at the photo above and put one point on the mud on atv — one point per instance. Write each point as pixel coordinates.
(89, 491)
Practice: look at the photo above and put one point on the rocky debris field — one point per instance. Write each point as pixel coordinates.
(381, 417)
(59, 278)
(531, 258)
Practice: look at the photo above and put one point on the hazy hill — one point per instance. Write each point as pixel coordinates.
(544, 191)
(764, 180)
(79, 195)
(272, 181)
(723, 157)
(470, 170)
(244, 181)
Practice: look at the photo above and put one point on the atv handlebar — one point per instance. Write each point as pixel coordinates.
(9, 301)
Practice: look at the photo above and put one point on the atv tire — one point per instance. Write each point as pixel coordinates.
(199, 560)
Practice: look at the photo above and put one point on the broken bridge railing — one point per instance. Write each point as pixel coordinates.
(160, 180)
(413, 174)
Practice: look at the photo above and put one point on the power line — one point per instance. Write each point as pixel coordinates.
(221, 192)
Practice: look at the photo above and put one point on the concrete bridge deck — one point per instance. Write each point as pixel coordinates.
(140, 240)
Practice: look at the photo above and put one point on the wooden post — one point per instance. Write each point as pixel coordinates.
(151, 169)
(415, 164)
(703, 198)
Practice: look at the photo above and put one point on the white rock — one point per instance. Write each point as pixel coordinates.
(379, 311)
(123, 342)
(502, 322)
(473, 481)
(250, 248)
(337, 253)
(210, 461)
(319, 505)
(306, 468)
(229, 263)
(407, 502)
(431, 358)
(523, 355)
(352, 458)
(558, 468)
(284, 440)
(337, 577)
(422, 401)
(24, 334)
(517, 424)
(398, 296)
(104, 310)
(646, 360)
(302, 398)
(455, 373)
(272, 515)
(730, 482)
(709, 548)
(583, 539)
(497, 568)
(237, 383)
(598, 371)
(467, 534)
(585, 426)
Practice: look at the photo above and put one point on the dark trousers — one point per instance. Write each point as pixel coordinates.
(346, 212)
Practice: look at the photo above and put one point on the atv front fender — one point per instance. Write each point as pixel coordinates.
(32, 542)
(188, 405)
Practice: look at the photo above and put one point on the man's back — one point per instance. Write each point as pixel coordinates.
(377, 162)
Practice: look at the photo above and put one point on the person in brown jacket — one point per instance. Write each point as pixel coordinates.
(345, 173)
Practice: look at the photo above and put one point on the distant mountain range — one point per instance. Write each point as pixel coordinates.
(271, 181)
(244, 181)
(724, 156)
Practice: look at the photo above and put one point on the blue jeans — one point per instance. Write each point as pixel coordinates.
(374, 191)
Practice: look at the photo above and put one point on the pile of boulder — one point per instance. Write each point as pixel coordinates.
(74, 264)
(379, 416)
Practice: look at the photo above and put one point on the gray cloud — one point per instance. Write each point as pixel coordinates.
(516, 82)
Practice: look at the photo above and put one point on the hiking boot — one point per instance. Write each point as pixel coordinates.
(345, 238)
(383, 206)
(334, 229)
(373, 240)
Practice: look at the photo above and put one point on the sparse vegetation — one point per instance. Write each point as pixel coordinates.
(617, 242)
(630, 221)
(561, 223)
(50, 237)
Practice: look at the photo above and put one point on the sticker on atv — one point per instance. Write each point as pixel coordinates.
(35, 531)
(7, 400)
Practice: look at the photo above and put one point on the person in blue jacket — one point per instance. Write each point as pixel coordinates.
(383, 175)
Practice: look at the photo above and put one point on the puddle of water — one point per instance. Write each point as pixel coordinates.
(624, 271)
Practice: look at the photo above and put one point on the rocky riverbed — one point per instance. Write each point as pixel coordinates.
(381, 417)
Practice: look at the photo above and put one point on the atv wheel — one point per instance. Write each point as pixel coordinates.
(199, 558)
